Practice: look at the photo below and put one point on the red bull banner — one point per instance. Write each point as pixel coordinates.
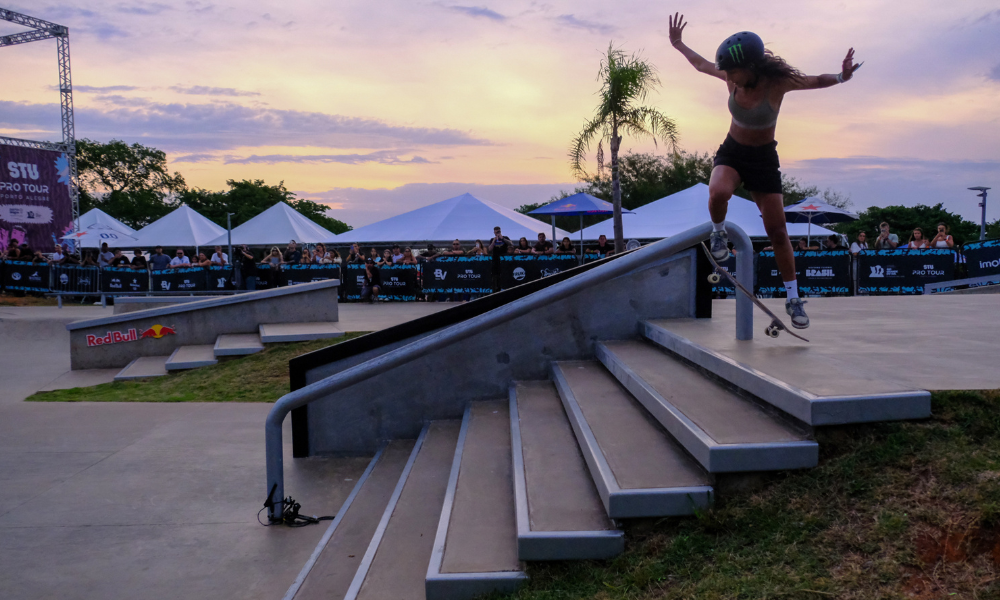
(130, 335)
(35, 204)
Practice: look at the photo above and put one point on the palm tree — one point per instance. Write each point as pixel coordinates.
(625, 81)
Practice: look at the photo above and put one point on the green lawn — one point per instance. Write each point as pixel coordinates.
(261, 377)
(897, 510)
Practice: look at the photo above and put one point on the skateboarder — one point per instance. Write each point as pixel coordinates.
(758, 81)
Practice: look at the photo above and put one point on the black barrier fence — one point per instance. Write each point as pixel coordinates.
(724, 288)
(25, 276)
(190, 279)
(120, 280)
(294, 274)
(75, 279)
(459, 275)
(903, 271)
(518, 269)
(817, 273)
(399, 282)
(982, 258)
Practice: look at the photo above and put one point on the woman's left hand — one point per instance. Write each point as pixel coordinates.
(848, 68)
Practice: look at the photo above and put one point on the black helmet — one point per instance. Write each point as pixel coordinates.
(742, 49)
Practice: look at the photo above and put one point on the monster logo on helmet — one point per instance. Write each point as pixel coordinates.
(743, 49)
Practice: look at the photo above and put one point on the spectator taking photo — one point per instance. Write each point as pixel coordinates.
(886, 240)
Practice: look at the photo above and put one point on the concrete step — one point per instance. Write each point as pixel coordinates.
(238, 344)
(395, 562)
(638, 469)
(722, 431)
(475, 549)
(805, 406)
(559, 512)
(272, 333)
(191, 357)
(330, 574)
(144, 366)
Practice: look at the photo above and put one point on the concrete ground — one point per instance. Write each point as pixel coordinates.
(146, 500)
(865, 345)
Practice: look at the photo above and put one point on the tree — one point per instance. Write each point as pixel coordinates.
(132, 183)
(625, 82)
(903, 219)
(793, 192)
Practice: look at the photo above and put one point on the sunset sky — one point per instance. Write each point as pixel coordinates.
(376, 108)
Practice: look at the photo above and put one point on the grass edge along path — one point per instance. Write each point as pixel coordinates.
(260, 377)
(894, 510)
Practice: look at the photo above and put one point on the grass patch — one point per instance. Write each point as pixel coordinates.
(261, 377)
(27, 300)
(894, 510)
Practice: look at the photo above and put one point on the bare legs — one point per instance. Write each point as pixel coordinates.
(720, 189)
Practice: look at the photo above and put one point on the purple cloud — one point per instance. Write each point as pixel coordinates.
(143, 9)
(385, 157)
(478, 11)
(589, 26)
(203, 90)
(994, 73)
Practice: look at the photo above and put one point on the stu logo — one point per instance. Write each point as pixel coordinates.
(877, 271)
(22, 170)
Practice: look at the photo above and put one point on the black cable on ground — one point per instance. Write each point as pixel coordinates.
(290, 516)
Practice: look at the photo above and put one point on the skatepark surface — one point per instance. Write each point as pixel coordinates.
(151, 500)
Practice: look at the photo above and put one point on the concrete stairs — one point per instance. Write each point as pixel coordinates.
(241, 344)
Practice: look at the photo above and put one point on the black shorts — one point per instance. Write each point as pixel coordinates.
(757, 165)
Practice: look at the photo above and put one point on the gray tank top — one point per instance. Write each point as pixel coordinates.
(761, 116)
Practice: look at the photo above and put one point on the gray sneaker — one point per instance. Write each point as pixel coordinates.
(800, 320)
(718, 245)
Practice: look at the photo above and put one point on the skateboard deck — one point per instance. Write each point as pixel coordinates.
(776, 326)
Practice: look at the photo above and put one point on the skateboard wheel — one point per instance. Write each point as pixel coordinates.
(771, 331)
(713, 278)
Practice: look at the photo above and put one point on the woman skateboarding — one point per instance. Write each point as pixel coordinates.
(758, 81)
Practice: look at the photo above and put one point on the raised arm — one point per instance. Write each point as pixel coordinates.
(699, 62)
(816, 82)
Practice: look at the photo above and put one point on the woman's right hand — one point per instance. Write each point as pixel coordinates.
(677, 26)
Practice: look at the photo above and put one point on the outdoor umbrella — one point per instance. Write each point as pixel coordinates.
(814, 210)
(577, 204)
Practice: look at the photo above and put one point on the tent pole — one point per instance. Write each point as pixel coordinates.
(553, 230)
(581, 238)
(809, 231)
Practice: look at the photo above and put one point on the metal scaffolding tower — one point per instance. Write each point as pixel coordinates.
(43, 30)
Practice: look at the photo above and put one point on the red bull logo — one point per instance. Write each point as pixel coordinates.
(131, 335)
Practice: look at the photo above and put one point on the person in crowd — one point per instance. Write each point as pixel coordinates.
(219, 258)
(374, 255)
(917, 239)
(179, 261)
(67, 258)
(26, 252)
(138, 260)
(355, 257)
(274, 260)
(202, 260)
(478, 249)
(39, 258)
(456, 249)
(500, 246)
(159, 261)
(386, 260)
(12, 251)
(319, 255)
(105, 257)
(831, 243)
(543, 246)
(89, 259)
(886, 240)
(58, 256)
(602, 247)
(292, 253)
(408, 257)
(333, 257)
(566, 247)
(523, 247)
(307, 257)
(372, 283)
(430, 253)
(119, 260)
(942, 239)
(803, 245)
(247, 266)
(860, 244)
(397, 254)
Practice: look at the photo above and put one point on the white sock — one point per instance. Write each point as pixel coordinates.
(792, 288)
(718, 226)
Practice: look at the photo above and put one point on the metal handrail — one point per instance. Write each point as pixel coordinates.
(405, 354)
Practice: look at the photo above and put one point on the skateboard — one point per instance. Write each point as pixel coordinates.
(776, 326)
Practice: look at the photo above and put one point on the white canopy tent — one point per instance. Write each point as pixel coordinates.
(277, 225)
(183, 227)
(681, 211)
(463, 217)
(98, 227)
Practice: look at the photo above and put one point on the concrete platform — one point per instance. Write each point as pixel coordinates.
(127, 304)
(191, 357)
(238, 344)
(82, 378)
(142, 367)
(298, 332)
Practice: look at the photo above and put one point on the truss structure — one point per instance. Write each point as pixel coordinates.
(42, 30)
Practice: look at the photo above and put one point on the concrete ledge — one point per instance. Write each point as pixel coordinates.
(804, 406)
(129, 304)
(191, 357)
(238, 344)
(113, 341)
(273, 333)
(142, 367)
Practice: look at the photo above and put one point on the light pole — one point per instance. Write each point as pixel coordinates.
(982, 194)
(229, 229)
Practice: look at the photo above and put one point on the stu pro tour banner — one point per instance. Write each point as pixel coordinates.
(35, 205)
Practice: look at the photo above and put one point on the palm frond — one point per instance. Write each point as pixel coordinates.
(580, 145)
